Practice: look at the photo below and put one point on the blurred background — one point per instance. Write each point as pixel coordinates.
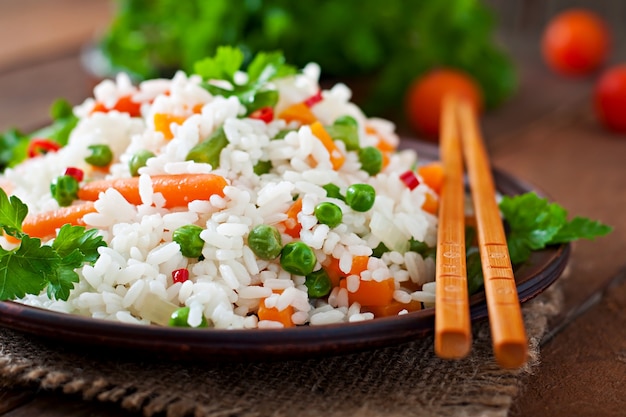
(57, 46)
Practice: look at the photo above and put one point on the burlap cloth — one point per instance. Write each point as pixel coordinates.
(404, 380)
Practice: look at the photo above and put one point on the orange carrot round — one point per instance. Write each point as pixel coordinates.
(43, 225)
(178, 190)
(299, 112)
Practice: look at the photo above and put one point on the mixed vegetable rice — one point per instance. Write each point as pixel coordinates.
(229, 199)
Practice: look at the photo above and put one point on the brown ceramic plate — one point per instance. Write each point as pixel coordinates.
(532, 278)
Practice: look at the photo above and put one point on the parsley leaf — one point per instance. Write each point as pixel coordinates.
(535, 223)
(31, 267)
(580, 227)
(254, 93)
(26, 269)
(222, 66)
(12, 214)
(72, 238)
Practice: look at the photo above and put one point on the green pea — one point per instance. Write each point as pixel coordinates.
(360, 197)
(208, 151)
(297, 258)
(371, 160)
(189, 240)
(139, 160)
(180, 317)
(64, 189)
(346, 121)
(329, 214)
(333, 191)
(101, 155)
(262, 167)
(318, 284)
(265, 241)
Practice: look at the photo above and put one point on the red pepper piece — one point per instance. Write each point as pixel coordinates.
(77, 173)
(40, 146)
(264, 113)
(314, 99)
(409, 179)
(180, 275)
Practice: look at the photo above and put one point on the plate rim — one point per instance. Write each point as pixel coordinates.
(297, 342)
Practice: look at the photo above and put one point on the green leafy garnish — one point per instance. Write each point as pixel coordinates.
(33, 267)
(535, 223)
(14, 144)
(254, 93)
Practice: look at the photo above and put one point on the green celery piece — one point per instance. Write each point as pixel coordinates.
(208, 151)
(12, 214)
(346, 134)
(26, 269)
(222, 66)
(580, 228)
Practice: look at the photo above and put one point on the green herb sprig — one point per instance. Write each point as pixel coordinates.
(32, 267)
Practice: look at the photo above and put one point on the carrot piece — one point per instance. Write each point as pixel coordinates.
(125, 104)
(292, 225)
(273, 314)
(372, 293)
(431, 204)
(163, 123)
(393, 308)
(298, 112)
(45, 224)
(432, 174)
(197, 108)
(178, 190)
(336, 157)
(331, 266)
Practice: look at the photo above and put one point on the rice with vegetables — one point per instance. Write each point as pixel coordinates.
(246, 200)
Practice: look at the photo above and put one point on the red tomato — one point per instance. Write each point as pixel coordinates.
(575, 42)
(425, 94)
(610, 98)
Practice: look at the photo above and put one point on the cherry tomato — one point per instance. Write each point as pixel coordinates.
(610, 98)
(425, 94)
(575, 42)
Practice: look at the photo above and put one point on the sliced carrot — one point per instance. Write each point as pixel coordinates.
(393, 308)
(336, 157)
(197, 108)
(178, 190)
(273, 314)
(163, 123)
(45, 224)
(432, 174)
(125, 104)
(372, 293)
(431, 204)
(298, 112)
(292, 225)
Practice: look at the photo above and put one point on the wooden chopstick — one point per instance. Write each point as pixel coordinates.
(505, 316)
(453, 337)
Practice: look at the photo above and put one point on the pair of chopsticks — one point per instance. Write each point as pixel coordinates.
(460, 136)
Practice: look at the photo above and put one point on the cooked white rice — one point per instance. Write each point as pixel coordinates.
(131, 282)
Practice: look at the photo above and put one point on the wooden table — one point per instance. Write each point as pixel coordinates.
(546, 135)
